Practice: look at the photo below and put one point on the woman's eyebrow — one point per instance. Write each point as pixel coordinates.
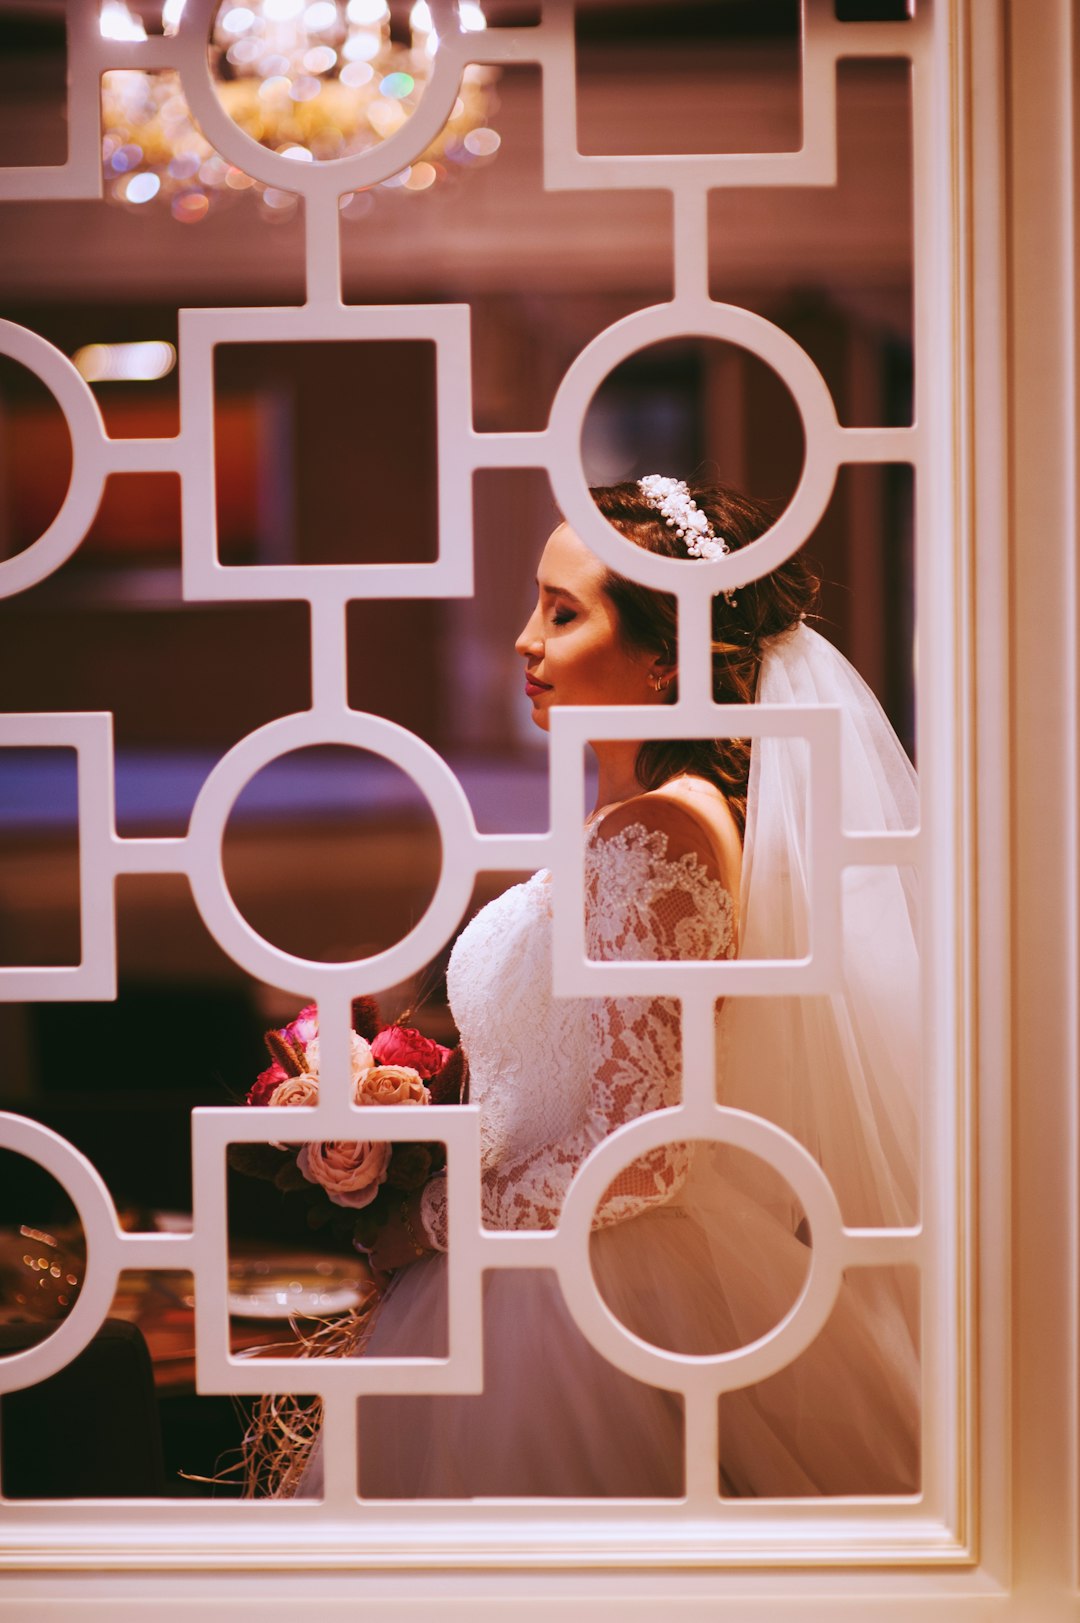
(556, 591)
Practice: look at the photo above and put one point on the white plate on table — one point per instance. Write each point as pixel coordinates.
(272, 1290)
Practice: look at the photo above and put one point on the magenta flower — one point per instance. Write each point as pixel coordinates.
(401, 1045)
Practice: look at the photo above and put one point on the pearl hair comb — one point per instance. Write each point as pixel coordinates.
(672, 500)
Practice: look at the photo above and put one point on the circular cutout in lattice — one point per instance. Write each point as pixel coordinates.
(36, 454)
(85, 437)
(650, 1135)
(42, 1253)
(321, 82)
(666, 324)
(698, 409)
(281, 35)
(331, 853)
(82, 1192)
(706, 1250)
(436, 783)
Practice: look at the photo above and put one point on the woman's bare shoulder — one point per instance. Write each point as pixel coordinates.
(692, 822)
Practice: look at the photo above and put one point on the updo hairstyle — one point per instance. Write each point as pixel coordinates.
(648, 620)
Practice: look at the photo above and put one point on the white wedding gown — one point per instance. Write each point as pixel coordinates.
(689, 1249)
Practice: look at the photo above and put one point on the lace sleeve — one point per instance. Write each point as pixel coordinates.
(651, 893)
(433, 1211)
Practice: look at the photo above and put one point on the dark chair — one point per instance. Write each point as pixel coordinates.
(92, 1430)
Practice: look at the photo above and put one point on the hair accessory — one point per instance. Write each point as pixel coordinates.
(673, 501)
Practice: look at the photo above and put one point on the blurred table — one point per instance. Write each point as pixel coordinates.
(39, 1275)
(162, 1305)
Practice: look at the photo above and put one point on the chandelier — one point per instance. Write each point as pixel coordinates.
(311, 81)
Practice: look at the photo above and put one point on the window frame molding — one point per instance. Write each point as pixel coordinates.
(1013, 453)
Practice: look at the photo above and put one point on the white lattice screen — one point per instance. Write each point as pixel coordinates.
(701, 1528)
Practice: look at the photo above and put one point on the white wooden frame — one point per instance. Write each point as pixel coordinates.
(990, 445)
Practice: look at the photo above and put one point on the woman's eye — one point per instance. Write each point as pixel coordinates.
(562, 617)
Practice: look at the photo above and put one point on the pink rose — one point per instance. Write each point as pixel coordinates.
(296, 1090)
(265, 1083)
(391, 1085)
(304, 1027)
(401, 1045)
(349, 1173)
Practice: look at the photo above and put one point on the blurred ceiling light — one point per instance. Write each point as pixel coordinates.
(472, 17)
(313, 79)
(118, 22)
(140, 188)
(367, 11)
(124, 363)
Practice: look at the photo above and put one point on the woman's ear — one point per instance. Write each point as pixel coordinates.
(662, 672)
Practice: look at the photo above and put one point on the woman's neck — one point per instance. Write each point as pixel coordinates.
(618, 779)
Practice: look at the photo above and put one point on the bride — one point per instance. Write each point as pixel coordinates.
(695, 849)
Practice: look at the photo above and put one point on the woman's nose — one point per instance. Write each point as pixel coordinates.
(529, 640)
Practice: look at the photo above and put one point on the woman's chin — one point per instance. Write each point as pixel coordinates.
(540, 718)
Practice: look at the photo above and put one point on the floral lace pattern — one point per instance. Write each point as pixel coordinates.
(555, 1076)
(643, 904)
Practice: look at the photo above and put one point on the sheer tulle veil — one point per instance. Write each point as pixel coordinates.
(841, 1074)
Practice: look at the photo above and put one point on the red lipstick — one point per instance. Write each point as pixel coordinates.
(533, 687)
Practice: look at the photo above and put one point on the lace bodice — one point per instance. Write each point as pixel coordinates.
(554, 1076)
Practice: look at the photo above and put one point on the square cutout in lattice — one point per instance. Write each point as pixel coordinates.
(526, 1426)
(39, 877)
(774, 160)
(314, 445)
(892, 1468)
(874, 11)
(449, 571)
(217, 1133)
(713, 79)
(33, 53)
(94, 975)
(71, 163)
(574, 973)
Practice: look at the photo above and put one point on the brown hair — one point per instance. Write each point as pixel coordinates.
(649, 620)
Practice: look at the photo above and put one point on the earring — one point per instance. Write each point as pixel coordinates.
(659, 683)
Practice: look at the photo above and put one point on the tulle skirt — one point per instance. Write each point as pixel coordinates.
(555, 1419)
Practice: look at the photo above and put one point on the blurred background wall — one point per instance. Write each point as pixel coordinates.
(326, 453)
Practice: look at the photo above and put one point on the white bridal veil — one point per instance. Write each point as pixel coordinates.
(840, 1073)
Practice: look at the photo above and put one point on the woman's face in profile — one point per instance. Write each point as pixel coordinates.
(571, 643)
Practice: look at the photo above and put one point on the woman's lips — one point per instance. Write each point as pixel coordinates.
(533, 687)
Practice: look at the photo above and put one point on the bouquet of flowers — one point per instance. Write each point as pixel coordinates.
(391, 1065)
(351, 1186)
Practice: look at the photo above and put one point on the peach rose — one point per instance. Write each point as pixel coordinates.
(391, 1085)
(296, 1090)
(349, 1173)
